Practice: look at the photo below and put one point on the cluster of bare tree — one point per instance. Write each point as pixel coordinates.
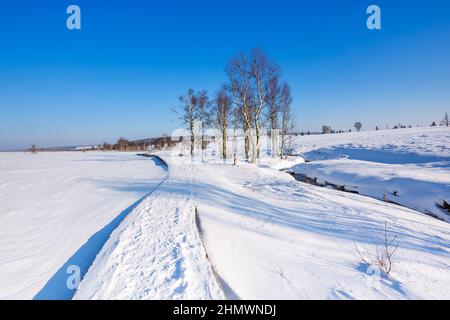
(259, 98)
(253, 100)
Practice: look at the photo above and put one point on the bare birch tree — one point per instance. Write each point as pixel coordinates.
(239, 87)
(274, 107)
(190, 112)
(235, 119)
(287, 118)
(222, 113)
(203, 116)
(263, 73)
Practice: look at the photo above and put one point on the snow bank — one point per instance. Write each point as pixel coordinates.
(410, 167)
(416, 187)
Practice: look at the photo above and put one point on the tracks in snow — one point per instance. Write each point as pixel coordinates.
(156, 253)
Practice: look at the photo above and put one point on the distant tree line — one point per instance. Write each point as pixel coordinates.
(358, 126)
(123, 144)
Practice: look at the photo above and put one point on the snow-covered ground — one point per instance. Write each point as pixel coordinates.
(415, 145)
(410, 167)
(269, 236)
(58, 209)
(211, 230)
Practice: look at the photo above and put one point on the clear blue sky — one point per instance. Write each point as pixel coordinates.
(122, 72)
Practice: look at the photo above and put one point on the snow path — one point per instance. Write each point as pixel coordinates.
(156, 253)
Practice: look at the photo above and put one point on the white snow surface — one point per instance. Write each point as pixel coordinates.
(268, 236)
(414, 186)
(258, 233)
(271, 237)
(424, 144)
(57, 209)
(410, 167)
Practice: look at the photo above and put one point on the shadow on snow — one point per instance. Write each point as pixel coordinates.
(56, 288)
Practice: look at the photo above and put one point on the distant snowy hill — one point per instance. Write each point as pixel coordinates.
(410, 167)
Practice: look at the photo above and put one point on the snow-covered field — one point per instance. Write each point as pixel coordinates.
(211, 230)
(410, 167)
(271, 237)
(416, 145)
(58, 209)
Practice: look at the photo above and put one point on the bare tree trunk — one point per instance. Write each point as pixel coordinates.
(192, 139)
(234, 143)
(246, 142)
(274, 134)
(274, 138)
(203, 139)
(224, 143)
(258, 142)
(273, 104)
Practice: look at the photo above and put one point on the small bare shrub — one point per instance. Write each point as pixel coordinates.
(383, 254)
